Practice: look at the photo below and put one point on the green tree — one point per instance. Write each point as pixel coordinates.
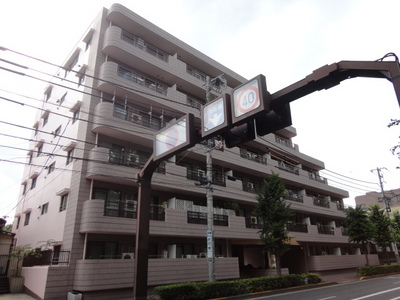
(18, 254)
(382, 230)
(359, 228)
(396, 226)
(275, 213)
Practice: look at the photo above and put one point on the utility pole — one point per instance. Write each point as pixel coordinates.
(387, 208)
(211, 84)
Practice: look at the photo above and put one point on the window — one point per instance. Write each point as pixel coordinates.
(75, 116)
(39, 150)
(70, 156)
(27, 217)
(101, 250)
(30, 158)
(57, 131)
(88, 43)
(81, 79)
(45, 119)
(24, 189)
(47, 95)
(18, 220)
(52, 167)
(33, 184)
(63, 202)
(45, 208)
(62, 99)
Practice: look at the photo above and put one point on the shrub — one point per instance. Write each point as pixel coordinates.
(376, 270)
(218, 289)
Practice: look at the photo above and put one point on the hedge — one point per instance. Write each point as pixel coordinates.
(209, 290)
(377, 270)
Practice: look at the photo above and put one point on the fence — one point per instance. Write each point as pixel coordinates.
(48, 258)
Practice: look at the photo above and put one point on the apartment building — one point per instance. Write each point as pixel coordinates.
(390, 202)
(126, 80)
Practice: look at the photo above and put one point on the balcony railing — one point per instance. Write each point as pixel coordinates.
(340, 206)
(254, 222)
(289, 168)
(195, 217)
(194, 102)
(200, 175)
(253, 156)
(320, 201)
(137, 117)
(131, 160)
(284, 142)
(141, 44)
(196, 73)
(251, 187)
(128, 209)
(297, 227)
(316, 177)
(141, 80)
(48, 258)
(326, 229)
(294, 197)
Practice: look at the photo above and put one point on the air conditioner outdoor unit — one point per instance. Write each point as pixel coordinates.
(136, 118)
(128, 255)
(130, 205)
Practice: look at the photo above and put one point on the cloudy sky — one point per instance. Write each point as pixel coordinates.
(345, 127)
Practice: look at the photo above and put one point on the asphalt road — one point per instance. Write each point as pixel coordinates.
(382, 288)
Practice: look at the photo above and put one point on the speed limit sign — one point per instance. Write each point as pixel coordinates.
(250, 99)
(247, 99)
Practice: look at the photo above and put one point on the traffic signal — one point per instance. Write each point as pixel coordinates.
(240, 134)
(278, 118)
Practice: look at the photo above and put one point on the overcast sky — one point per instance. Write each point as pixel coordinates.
(345, 127)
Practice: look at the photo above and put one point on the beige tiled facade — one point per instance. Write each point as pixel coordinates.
(125, 81)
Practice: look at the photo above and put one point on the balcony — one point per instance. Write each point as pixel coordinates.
(133, 160)
(297, 227)
(218, 178)
(195, 217)
(326, 229)
(253, 156)
(137, 117)
(315, 176)
(143, 45)
(321, 201)
(289, 168)
(285, 142)
(128, 209)
(142, 80)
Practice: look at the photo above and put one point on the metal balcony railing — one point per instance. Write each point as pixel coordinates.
(194, 217)
(326, 229)
(253, 156)
(297, 227)
(131, 160)
(143, 45)
(320, 201)
(128, 209)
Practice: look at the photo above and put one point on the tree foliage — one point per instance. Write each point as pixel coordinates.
(359, 228)
(275, 213)
(382, 234)
(18, 254)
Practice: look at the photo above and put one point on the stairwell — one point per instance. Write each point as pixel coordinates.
(4, 285)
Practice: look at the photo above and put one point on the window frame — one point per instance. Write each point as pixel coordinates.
(63, 202)
(45, 208)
